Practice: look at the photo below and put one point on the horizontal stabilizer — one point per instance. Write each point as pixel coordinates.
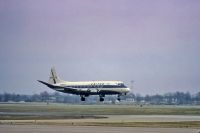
(47, 84)
(67, 89)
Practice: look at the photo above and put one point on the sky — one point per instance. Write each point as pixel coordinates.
(155, 43)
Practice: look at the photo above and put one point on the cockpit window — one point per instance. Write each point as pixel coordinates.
(121, 85)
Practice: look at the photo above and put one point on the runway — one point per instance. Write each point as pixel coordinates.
(89, 129)
(36, 114)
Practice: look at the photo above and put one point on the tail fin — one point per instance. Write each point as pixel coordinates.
(53, 79)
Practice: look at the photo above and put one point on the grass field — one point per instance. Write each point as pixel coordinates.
(94, 115)
(66, 109)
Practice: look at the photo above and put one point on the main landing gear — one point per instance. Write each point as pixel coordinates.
(82, 98)
(101, 98)
(118, 98)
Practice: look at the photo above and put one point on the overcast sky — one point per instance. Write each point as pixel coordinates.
(156, 43)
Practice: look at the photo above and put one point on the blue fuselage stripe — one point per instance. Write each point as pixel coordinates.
(90, 86)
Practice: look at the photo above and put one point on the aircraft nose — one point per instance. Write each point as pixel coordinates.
(128, 89)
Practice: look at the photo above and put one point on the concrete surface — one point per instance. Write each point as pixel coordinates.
(89, 129)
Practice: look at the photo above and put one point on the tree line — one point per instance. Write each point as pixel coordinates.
(176, 98)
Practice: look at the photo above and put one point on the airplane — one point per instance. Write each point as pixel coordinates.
(86, 88)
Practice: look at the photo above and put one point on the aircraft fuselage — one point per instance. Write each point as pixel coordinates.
(86, 88)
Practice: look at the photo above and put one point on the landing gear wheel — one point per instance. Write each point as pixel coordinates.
(101, 99)
(82, 98)
(118, 98)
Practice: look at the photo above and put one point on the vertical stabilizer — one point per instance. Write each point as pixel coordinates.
(53, 78)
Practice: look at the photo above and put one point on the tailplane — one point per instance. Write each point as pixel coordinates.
(53, 78)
